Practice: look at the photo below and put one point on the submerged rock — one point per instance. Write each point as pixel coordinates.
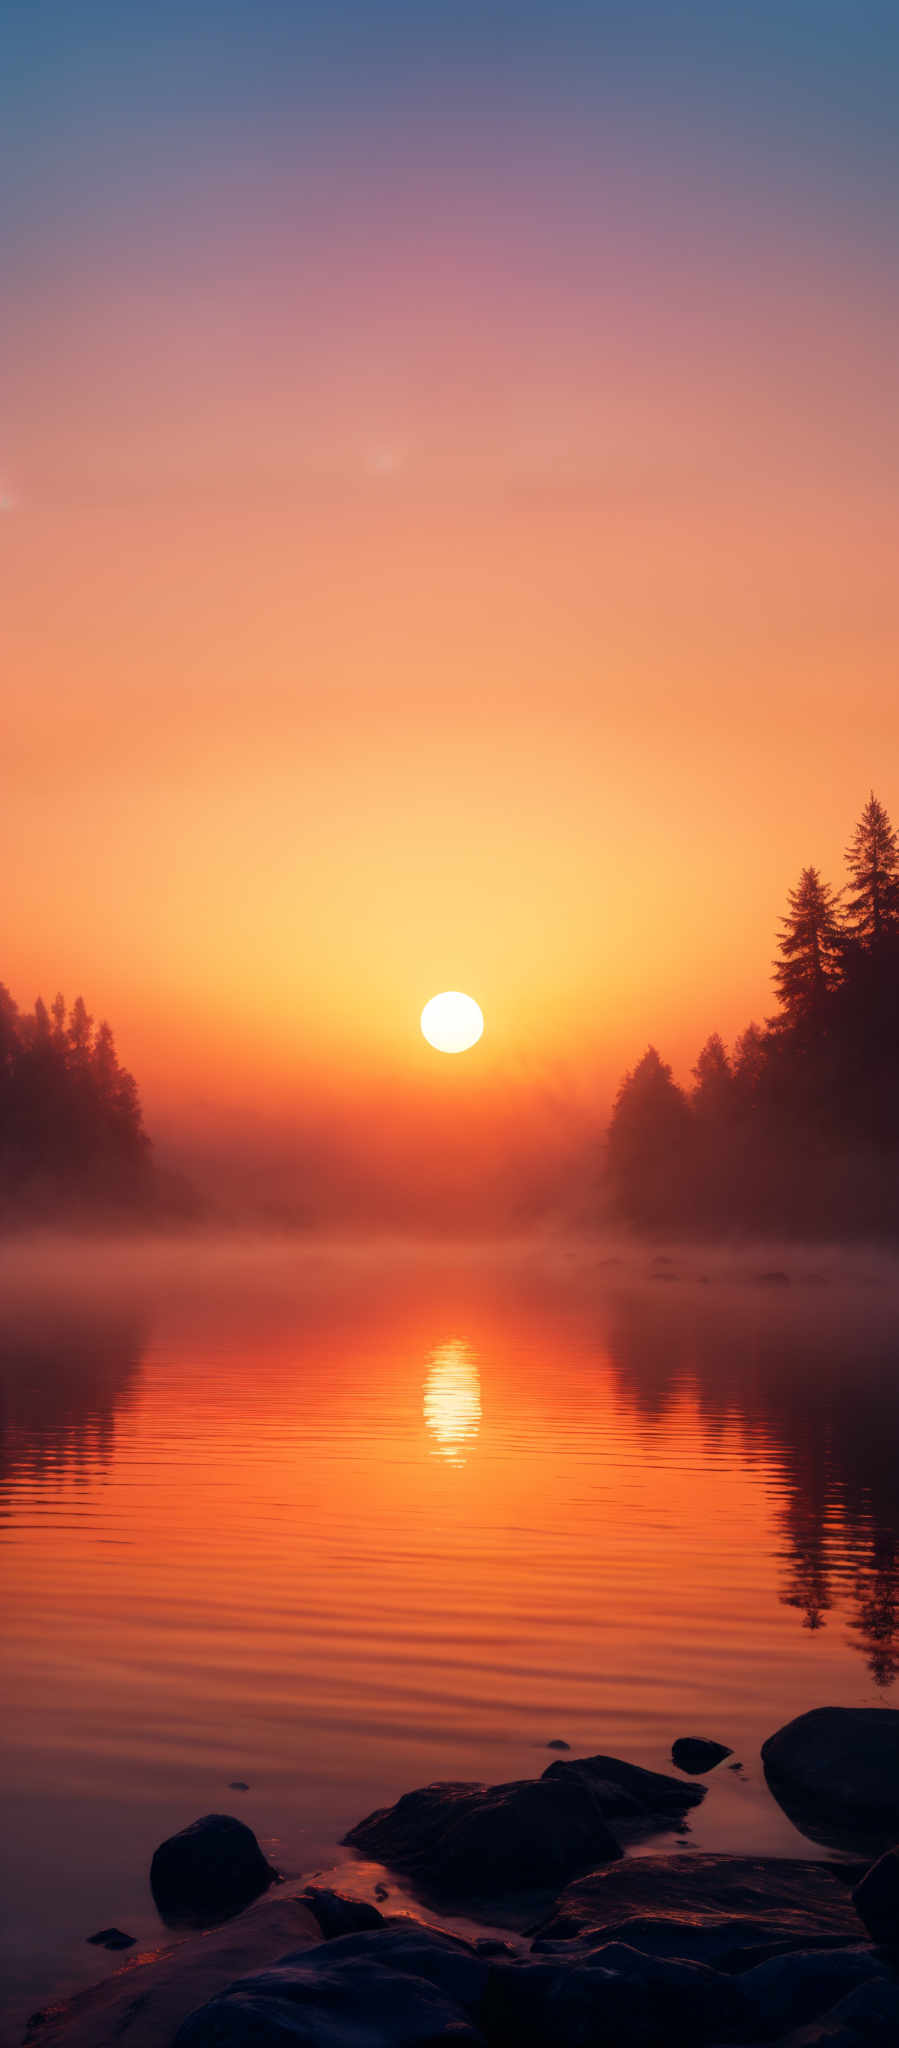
(557, 1743)
(112, 1938)
(400, 1986)
(209, 1869)
(694, 1753)
(876, 1899)
(468, 1841)
(728, 1911)
(835, 1772)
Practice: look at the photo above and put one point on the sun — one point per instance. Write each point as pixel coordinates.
(452, 1022)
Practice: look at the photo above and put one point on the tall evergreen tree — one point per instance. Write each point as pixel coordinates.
(872, 911)
(810, 952)
(714, 1078)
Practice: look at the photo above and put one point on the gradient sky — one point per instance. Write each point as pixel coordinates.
(448, 474)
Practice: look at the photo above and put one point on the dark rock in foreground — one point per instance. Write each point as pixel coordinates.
(695, 1754)
(639, 1802)
(405, 1985)
(730, 1911)
(212, 1868)
(617, 1998)
(835, 1772)
(876, 1899)
(401, 1986)
(465, 1841)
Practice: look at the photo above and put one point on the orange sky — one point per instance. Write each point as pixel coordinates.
(452, 573)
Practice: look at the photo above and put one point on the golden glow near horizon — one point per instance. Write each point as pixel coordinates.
(452, 1400)
(452, 1022)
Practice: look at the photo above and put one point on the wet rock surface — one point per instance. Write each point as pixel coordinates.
(835, 1772)
(732, 1911)
(464, 1841)
(336, 1914)
(210, 1869)
(400, 1986)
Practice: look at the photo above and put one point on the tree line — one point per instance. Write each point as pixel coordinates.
(796, 1126)
(71, 1127)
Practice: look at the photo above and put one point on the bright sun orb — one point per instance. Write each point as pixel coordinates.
(452, 1022)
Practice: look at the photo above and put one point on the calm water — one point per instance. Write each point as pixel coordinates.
(338, 1523)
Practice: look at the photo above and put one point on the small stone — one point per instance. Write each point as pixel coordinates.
(112, 1937)
(238, 1785)
(382, 1891)
(557, 1743)
(695, 1754)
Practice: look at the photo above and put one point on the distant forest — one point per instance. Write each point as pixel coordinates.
(72, 1136)
(796, 1127)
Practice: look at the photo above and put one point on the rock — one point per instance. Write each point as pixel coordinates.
(789, 1990)
(210, 1869)
(400, 1986)
(238, 1785)
(112, 1937)
(463, 1841)
(695, 1754)
(558, 1744)
(727, 1911)
(876, 1900)
(774, 1279)
(142, 2005)
(382, 1891)
(867, 2018)
(336, 1914)
(835, 1772)
(638, 1801)
(615, 1996)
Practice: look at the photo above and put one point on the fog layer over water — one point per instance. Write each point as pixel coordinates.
(336, 1520)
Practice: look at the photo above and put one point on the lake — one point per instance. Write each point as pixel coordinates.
(337, 1521)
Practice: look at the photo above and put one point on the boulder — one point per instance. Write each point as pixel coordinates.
(402, 1985)
(867, 2017)
(694, 1753)
(637, 1801)
(615, 1996)
(789, 1990)
(463, 1841)
(728, 1911)
(208, 1870)
(876, 1899)
(835, 1772)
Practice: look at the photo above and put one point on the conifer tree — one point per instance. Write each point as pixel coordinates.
(713, 1076)
(810, 952)
(872, 911)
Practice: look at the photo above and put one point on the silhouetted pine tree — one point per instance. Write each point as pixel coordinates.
(872, 909)
(648, 1141)
(71, 1127)
(809, 967)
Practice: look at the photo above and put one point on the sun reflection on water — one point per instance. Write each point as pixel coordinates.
(452, 1400)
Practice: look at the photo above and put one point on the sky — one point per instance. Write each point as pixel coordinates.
(447, 539)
